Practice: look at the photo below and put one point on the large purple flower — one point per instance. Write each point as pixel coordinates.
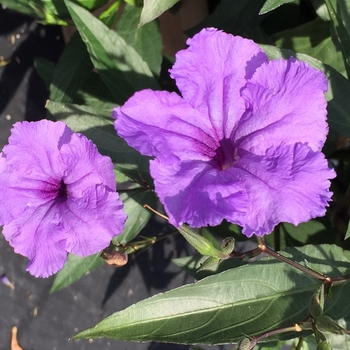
(244, 141)
(58, 195)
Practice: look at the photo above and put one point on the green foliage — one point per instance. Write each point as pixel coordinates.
(49, 11)
(145, 40)
(273, 4)
(75, 268)
(250, 300)
(119, 65)
(153, 9)
(339, 12)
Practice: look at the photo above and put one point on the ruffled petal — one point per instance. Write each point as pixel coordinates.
(198, 194)
(92, 220)
(18, 191)
(33, 149)
(85, 166)
(162, 124)
(287, 105)
(211, 73)
(39, 235)
(289, 184)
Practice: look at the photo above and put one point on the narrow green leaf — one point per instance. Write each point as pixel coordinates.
(45, 69)
(138, 216)
(313, 39)
(23, 6)
(75, 268)
(97, 125)
(74, 67)
(338, 89)
(71, 71)
(326, 325)
(273, 4)
(339, 12)
(347, 234)
(249, 300)
(232, 16)
(153, 9)
(146, 40)
(119, 65)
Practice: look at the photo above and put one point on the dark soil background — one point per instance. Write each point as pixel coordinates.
(44, 321)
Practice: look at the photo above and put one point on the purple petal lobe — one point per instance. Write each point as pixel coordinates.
(211, 73)
(286, 104)
(39, 235)
(59, 195)
(169, 128)
(90, 236)
(288, 184)
(198, 194)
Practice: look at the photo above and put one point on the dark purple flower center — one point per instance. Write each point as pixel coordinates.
(62, 192)
(226, 155)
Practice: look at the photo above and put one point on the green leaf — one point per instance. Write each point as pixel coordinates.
(347, 234)
(45, 69)
(153, 9)
(313, 39)
(321, 9)
(340, 342)
(326, 325)
(273, 4)
(339, 12)
(146, 40)
(98, 127)
(338, 89)
(74, 68)
(232, 16)
(138, 216)
(249, 300)
(71, 71)
(75, 268)
(48, 11)
(119, 65)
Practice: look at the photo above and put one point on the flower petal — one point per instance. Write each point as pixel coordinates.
(211, 73)
(85, 166)
(162, 124)
(198, 194)
(289, 184)
(26, 155)
(92, 220)
(287, 104)
(39, 235)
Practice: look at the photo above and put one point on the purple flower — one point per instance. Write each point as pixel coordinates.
(244, 141)
(58, 195)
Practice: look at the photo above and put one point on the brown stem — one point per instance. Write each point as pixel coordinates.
(265, 249)
(294, 328)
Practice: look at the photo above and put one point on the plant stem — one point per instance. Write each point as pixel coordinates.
(300, 343)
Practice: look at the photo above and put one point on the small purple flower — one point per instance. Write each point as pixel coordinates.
(242, 143)
(58, 195)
